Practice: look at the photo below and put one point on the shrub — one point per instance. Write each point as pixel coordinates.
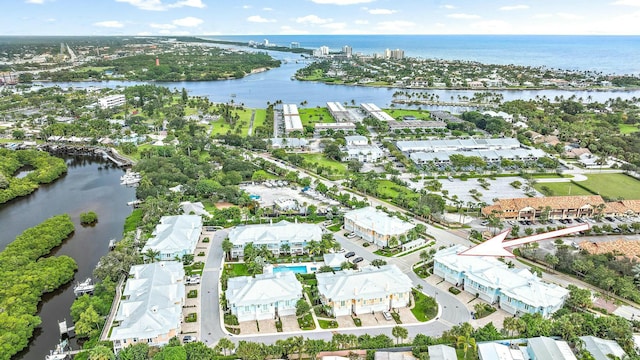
(88, 218)
(192, 294)
(192, 317)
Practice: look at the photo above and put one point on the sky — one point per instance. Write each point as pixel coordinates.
(293, 17)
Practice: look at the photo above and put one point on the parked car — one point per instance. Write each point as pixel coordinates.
(192, 280)
(349, 254)
(351, 235)
(387, 315)
(189, 339)
(358, 259)
(484, 223)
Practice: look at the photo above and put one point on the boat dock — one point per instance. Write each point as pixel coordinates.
(85, 287)
(87, 150)
(65, 330)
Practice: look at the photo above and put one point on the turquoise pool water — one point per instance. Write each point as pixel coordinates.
(298, 269)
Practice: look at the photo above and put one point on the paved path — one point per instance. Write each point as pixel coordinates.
(211, 326)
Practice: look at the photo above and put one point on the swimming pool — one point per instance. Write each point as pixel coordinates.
(254, 197)
(298, 269)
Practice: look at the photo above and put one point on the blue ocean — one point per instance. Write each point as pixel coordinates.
(605, 54)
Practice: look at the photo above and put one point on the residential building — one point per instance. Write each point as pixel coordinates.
(602, 349)
(415, 124)
(111, 101)
(338, 111)
(442, 352)
(347, 127)
(516, 291)
(394, 355)
(334, 260)
(396, 54)
(375, 112)
(194, 208)
(375, 226)
(291, 118)
(445, 116)
(501, 114)
(552, 207)
(358, 148)
(276, 237)
(150, 310)
(347, 51)
(364, 291)
(289, 143)
(545, 348)
(497, 351)
(175, 236)
(265, 296)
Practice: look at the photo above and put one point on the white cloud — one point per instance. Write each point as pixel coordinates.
(246, 6)
(342, 2)
(514, 7)
(267, 9)
(162, 26)
(634, 3)
(51, 20)
(448, 7)
(189, 3)
(157, 5)
(463, 16)
(382, 11)
(259, 19)
(109, 24)
(361, 22)
(39, 2)
(188, 21)
(542, 16)
(313, 19)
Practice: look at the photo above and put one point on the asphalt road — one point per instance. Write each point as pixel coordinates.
(211, 329)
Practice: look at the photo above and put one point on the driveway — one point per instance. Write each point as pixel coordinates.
(211, 325)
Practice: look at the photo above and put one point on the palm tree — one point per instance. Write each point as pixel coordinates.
(152, 255)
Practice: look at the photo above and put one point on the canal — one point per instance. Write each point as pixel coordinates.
(90, 184)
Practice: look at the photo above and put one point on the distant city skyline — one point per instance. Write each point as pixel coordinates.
(315, 17)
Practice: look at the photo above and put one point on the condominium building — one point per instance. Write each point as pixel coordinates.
(291, 118)
(111, 101)
(364, 291)
(276, 237)
(375, 226)
(175, 236)
(150, 310)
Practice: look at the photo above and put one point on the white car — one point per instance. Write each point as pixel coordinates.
(351, 235)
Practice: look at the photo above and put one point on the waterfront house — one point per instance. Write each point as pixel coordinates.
(175, 236)
(266, 296)
(602, 349)
(545, 348)
(375, 226)
(150, 310)
(516, 291)
(276, 237)
(363, 291)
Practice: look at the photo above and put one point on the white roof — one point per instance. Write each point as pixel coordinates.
(283, 231)
(356, 138)
(154, 304)
(335, 106)
(519, 284)
(289, 109)
(263, 289)
(458, 144)
(334, 260)
(600, 348)
(196, 207)
(364, 149)
(547, 348)
(379, 221)
(442, 352)
(175, 234)
(366, 283)
(495, 351)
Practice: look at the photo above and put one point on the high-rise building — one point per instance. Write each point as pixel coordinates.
(347, 50)
(396, 54)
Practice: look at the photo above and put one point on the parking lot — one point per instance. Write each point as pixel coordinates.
(269, 195)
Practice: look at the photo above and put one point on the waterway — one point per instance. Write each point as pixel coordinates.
(276, 84)
(90, 184)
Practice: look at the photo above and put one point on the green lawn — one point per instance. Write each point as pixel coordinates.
(613, 185)
(337, 168)
(310, 116)
(628, 128)
(549, 176)
(261, 116)
(327, 324)
(400, 113)
(562, 189)
(387, 189)
(235, 270)
(426, 307)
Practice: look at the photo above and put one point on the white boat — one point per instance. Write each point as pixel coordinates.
(60, 352)
(85, 287)
(130, 179)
